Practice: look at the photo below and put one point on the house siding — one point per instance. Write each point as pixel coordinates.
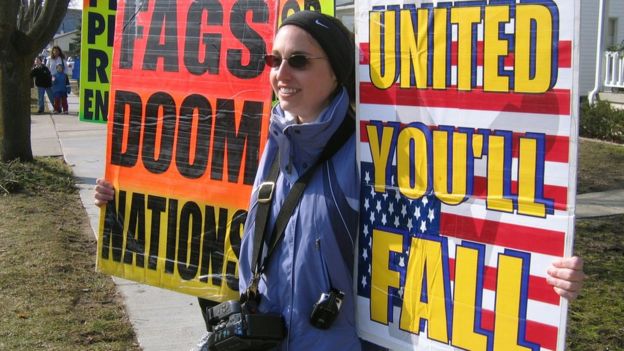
(589, 38)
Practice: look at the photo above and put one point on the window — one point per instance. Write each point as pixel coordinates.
(612, 29)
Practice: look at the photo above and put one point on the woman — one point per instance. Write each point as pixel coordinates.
(312, 75)
(56, 58)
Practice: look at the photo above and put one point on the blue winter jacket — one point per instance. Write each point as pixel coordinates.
(316, 252)
(59, 84)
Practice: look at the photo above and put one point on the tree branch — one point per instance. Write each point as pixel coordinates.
(45, 24)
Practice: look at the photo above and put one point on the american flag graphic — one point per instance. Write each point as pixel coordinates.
(539, 240)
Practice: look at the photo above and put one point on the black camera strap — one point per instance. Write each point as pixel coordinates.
(265, 197)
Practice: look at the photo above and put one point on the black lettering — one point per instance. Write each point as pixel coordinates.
(248, 37)
(157, 205)
(110, 40)
(135, 236)
(194, 106)
(312, 5)
(101, 105)
(153, 162)
(96, 66)
(191, 213)
(112, 237)
(247, 139)
(172, 235)
(290, 8)
(236, 231)
(164, 15)
(212, 245)
(132, 101)
(96, 26)
(87, 98)
(211, 41)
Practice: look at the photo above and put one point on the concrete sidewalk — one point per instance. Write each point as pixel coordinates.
(166, 320)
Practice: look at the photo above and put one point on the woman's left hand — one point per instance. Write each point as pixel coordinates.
(566, 276)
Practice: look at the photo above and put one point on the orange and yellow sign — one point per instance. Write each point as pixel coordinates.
(188, 117)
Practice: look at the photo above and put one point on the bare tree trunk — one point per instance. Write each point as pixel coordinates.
(15, 109)
(26, 26)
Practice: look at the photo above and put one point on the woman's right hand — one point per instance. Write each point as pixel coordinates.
(104, 192)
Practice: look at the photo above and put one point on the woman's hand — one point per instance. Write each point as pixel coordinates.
(566, 276)
(104, 192)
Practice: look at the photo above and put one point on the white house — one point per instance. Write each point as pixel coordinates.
(594, 45)
(64, 40)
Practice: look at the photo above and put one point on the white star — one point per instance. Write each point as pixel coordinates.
(378, 207)
(383, 219)
(365, 230)
(364, 281)
(402, 261)
(409, 224)
(385, 196)
(372, 191)
(403, 210)
(431, 215)
(417, 213)
(370, 241)
(396, 221)
(365, 254)
(391, 208)
(423, 226)
(367, 177)
(369, 269)
(372, 217)
(397, 195)
(366, 204)
(425, 200)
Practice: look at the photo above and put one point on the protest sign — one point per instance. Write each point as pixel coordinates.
(189, 111)
(98, 27)
(468, 130)
(289, 7)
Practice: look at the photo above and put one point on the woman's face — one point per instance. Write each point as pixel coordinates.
(55, 52)
(306, 91)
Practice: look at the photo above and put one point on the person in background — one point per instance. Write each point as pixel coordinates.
(56, 58)
(312, 74)
(60, 89)
(75, 74)
(43, 81)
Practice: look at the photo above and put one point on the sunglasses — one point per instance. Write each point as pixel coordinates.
(296, 61)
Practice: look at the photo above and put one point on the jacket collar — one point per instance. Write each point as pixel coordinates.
(300, 145)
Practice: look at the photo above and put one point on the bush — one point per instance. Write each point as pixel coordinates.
(601, 121)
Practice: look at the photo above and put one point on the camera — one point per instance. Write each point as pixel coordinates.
(233, 327)
(326, 309)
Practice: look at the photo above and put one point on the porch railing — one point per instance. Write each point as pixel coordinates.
(614, 69)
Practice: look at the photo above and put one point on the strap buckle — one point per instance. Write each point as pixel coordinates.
(265, 192)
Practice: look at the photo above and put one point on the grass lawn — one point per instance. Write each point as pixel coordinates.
(51, 298)
(595, 319)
